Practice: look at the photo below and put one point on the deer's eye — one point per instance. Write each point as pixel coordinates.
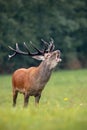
(48, 56)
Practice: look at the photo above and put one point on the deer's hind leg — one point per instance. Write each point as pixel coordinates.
(37, 98)
(26, 99)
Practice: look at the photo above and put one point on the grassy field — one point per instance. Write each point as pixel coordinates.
(63, 105)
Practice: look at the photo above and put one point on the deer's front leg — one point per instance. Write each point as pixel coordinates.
(37, 98)
(26, 99)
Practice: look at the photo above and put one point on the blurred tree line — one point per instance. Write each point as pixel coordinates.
(30, 20)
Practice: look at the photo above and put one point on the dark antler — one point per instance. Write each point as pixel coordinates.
(50, 46)
(18, 51)
(39, 51)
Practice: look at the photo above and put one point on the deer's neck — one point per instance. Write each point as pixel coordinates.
(44, 72)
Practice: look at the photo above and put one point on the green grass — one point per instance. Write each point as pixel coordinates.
(63, 105)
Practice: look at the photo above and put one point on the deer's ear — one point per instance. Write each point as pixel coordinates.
(39, 57)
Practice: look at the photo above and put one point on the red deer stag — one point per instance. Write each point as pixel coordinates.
(32, 81)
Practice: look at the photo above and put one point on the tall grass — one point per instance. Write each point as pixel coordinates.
(63, 105)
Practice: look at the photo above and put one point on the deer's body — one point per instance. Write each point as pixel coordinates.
(32, 81)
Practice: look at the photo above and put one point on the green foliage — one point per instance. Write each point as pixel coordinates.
(63, 104)
(64, 20)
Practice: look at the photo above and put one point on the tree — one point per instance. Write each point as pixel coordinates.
(64, 21)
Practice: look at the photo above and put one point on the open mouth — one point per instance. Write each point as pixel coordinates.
(58, 59)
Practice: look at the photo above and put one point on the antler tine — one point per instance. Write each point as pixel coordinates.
(46, 46)
(46, 43)
(10, 56)
(12, 48)
(39, 51)
(27, 48)
(52, 41)
(51, 46)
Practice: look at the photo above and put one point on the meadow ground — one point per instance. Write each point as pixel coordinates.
(63, 105)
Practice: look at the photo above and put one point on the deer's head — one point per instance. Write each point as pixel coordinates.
(48, 55)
